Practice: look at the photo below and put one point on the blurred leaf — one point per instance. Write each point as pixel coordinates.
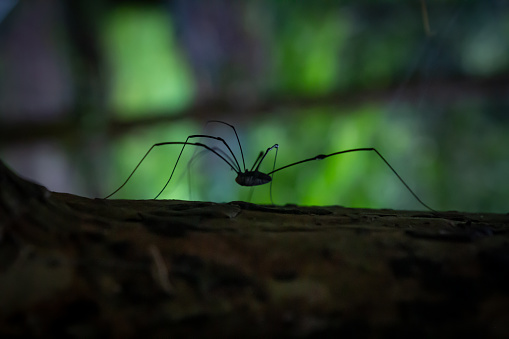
(149, 73)
(307, 51)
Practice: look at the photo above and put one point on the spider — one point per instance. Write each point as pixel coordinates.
(252, 176)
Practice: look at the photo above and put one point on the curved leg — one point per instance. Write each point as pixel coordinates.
(258, 162)
(260, 158)
(182, 150)
(174, 143)
(323, 156)
(236, 135)
(195, 157)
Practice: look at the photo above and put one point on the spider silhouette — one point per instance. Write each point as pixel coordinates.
(252, 176)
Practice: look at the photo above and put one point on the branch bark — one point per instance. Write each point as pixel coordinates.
(91, 267)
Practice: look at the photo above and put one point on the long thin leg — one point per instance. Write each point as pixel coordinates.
(219, 139)
(260, 155)
(323, 156)
(172, 143)
(272, 175)
(223, 153)
(199, 154)
(182, 150)
(238, 140)
(259, 160)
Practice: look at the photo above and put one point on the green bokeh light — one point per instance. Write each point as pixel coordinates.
(149, 72)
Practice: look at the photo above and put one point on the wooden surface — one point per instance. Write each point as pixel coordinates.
(90, 267)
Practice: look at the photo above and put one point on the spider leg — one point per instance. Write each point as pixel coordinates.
(272, 175)
(236, 135)
(173, 143)
(195, 157)
(323, 156)
(182, 150)
(219, 139)
(218, 150)
(259, 160)
(256, 161)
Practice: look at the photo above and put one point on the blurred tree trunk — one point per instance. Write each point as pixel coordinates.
(91, 267)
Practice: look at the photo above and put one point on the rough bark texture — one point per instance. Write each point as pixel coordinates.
(91, 267)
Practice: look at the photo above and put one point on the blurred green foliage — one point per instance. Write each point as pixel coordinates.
(306, 51)
(148, 71)
(327, 75)
(315, 52)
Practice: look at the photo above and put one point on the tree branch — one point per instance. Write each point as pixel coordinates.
(79, 266)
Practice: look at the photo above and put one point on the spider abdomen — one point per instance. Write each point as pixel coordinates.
(252, 178)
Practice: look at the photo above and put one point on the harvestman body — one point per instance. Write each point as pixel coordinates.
(252, 177)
